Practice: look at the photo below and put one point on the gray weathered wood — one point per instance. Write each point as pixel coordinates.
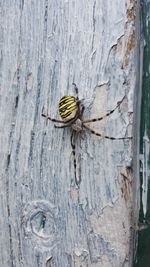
(45, 220)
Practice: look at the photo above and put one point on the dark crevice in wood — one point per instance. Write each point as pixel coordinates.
(41, 154)
(17, 100)
(21, 4)
(38, 260)
(17, 153)
(11, 247)
(19, 248)
(8, 161)
(31, 145)
(46, 14)
(39, 82)
(94, 22)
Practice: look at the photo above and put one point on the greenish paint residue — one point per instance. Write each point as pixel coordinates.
(143, 250)
(145, 114)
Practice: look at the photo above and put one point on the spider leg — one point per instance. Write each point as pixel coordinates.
(77, 179)
(49, 118)
(77, 98)
(62, 126)
(76, 90)
(104, 136)
(106, 115)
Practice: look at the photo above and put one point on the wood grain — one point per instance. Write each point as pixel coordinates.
(45, 47)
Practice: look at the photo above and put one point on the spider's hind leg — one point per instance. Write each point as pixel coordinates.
(105, 136)
(77, 179)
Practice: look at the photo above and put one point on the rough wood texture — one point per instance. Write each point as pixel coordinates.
(45, 220)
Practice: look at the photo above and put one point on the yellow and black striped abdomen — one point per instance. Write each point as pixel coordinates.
(68, 108)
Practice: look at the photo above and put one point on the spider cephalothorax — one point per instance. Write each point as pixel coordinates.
(71, 113)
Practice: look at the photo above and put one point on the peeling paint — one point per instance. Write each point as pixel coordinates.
(131, 14)
(126, 185)
(129, 48)
(145, 170)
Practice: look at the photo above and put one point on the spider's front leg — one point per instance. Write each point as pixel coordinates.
(76, 90)
(106, 115)
(49, 118)
(78, 101)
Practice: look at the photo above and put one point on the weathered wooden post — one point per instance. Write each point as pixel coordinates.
(46, 220)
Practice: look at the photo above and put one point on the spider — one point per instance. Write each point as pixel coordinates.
(71, 114)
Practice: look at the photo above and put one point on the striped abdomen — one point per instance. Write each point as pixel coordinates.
(68, 108)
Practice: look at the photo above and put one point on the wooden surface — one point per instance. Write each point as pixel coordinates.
(45, 220)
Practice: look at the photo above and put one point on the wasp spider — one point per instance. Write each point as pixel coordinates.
(71, 114)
